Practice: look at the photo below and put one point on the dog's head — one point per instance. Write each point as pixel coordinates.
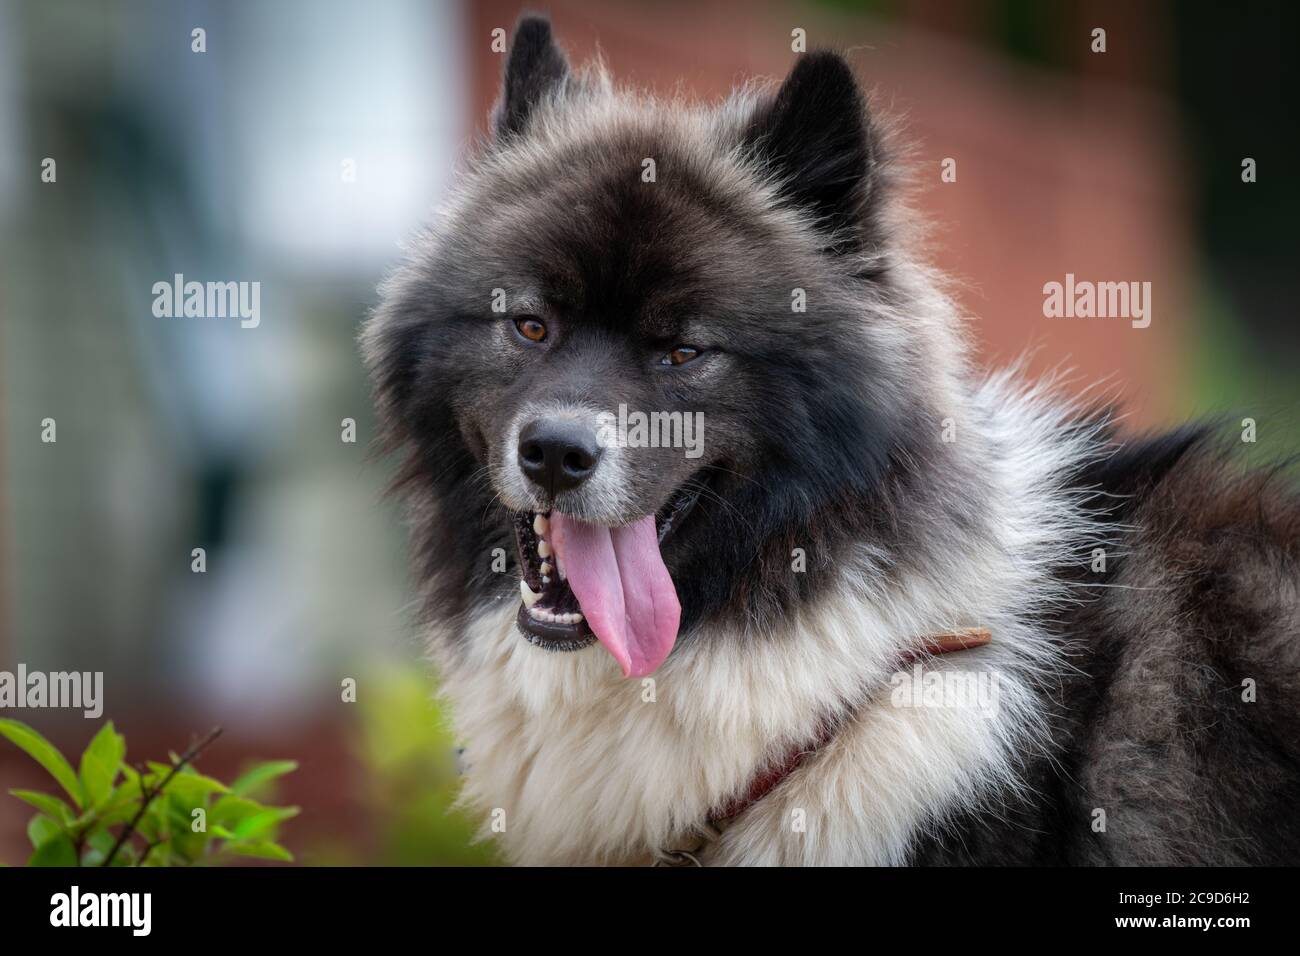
(652, 339)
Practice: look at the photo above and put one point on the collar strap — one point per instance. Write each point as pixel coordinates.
(774, 773)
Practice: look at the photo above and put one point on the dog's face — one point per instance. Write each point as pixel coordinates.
(636, 331)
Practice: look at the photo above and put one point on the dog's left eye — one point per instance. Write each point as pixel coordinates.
(531, 328)
(680, 355)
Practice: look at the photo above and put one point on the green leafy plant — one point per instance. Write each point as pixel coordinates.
(407, 779)
(152, 814)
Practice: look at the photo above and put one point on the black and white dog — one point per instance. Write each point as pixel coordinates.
(1124, 617)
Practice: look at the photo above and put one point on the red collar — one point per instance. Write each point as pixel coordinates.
(773, 774)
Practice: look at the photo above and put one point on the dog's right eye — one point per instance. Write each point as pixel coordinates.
(531, 328)
(680, 355)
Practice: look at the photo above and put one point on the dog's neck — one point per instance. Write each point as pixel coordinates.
(587, 767)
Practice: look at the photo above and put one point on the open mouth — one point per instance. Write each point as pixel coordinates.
(581, 583)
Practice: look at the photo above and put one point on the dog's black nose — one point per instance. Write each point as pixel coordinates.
(558, 455)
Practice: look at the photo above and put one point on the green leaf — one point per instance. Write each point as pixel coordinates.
(56, 851)
(128, 792)
(128, 855)
(229, 811)
(124, 801)
(98, 845)
(45, 754)
(159, 814)
(191, 786)
(185, 841)
(149, 827)
(194, 788)
(52, 806)
(260, 823)
(41, 829)
(263, 850)
(100, 763)
(249, 783)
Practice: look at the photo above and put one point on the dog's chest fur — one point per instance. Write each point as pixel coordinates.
(572, 764)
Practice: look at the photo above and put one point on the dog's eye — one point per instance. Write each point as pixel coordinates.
(680, 355)
(531, 328)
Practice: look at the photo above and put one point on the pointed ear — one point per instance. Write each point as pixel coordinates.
(815, 136)
(535, 66)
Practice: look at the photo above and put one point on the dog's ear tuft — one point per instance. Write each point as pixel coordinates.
(814, 135)
(534, 67)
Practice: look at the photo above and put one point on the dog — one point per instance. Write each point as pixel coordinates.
(892, 610)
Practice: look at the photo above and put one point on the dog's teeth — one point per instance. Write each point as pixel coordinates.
(546, 567)
(540, 524)
(530, 596)
(559, 566)
(544, 548)
(548, 616)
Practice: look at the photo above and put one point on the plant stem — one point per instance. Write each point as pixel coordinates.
(148, 798)
(147, 850)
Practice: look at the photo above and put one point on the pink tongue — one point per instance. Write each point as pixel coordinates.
(625, 591)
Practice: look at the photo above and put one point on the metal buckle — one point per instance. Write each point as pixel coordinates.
(676, 858)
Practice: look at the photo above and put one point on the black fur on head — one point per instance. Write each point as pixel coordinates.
(534, 68)
(816, 136)
(815, 419)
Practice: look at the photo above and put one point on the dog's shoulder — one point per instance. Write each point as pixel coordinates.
(1223, 538)
(1134, 467)
(1178, 721)
(1186, 505)
(1196, 658)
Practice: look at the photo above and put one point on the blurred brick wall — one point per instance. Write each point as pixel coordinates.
(1056, 172)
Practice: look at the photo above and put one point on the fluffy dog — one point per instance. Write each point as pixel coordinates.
(733, 656)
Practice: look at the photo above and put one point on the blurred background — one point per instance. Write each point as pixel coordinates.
(310, 137)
